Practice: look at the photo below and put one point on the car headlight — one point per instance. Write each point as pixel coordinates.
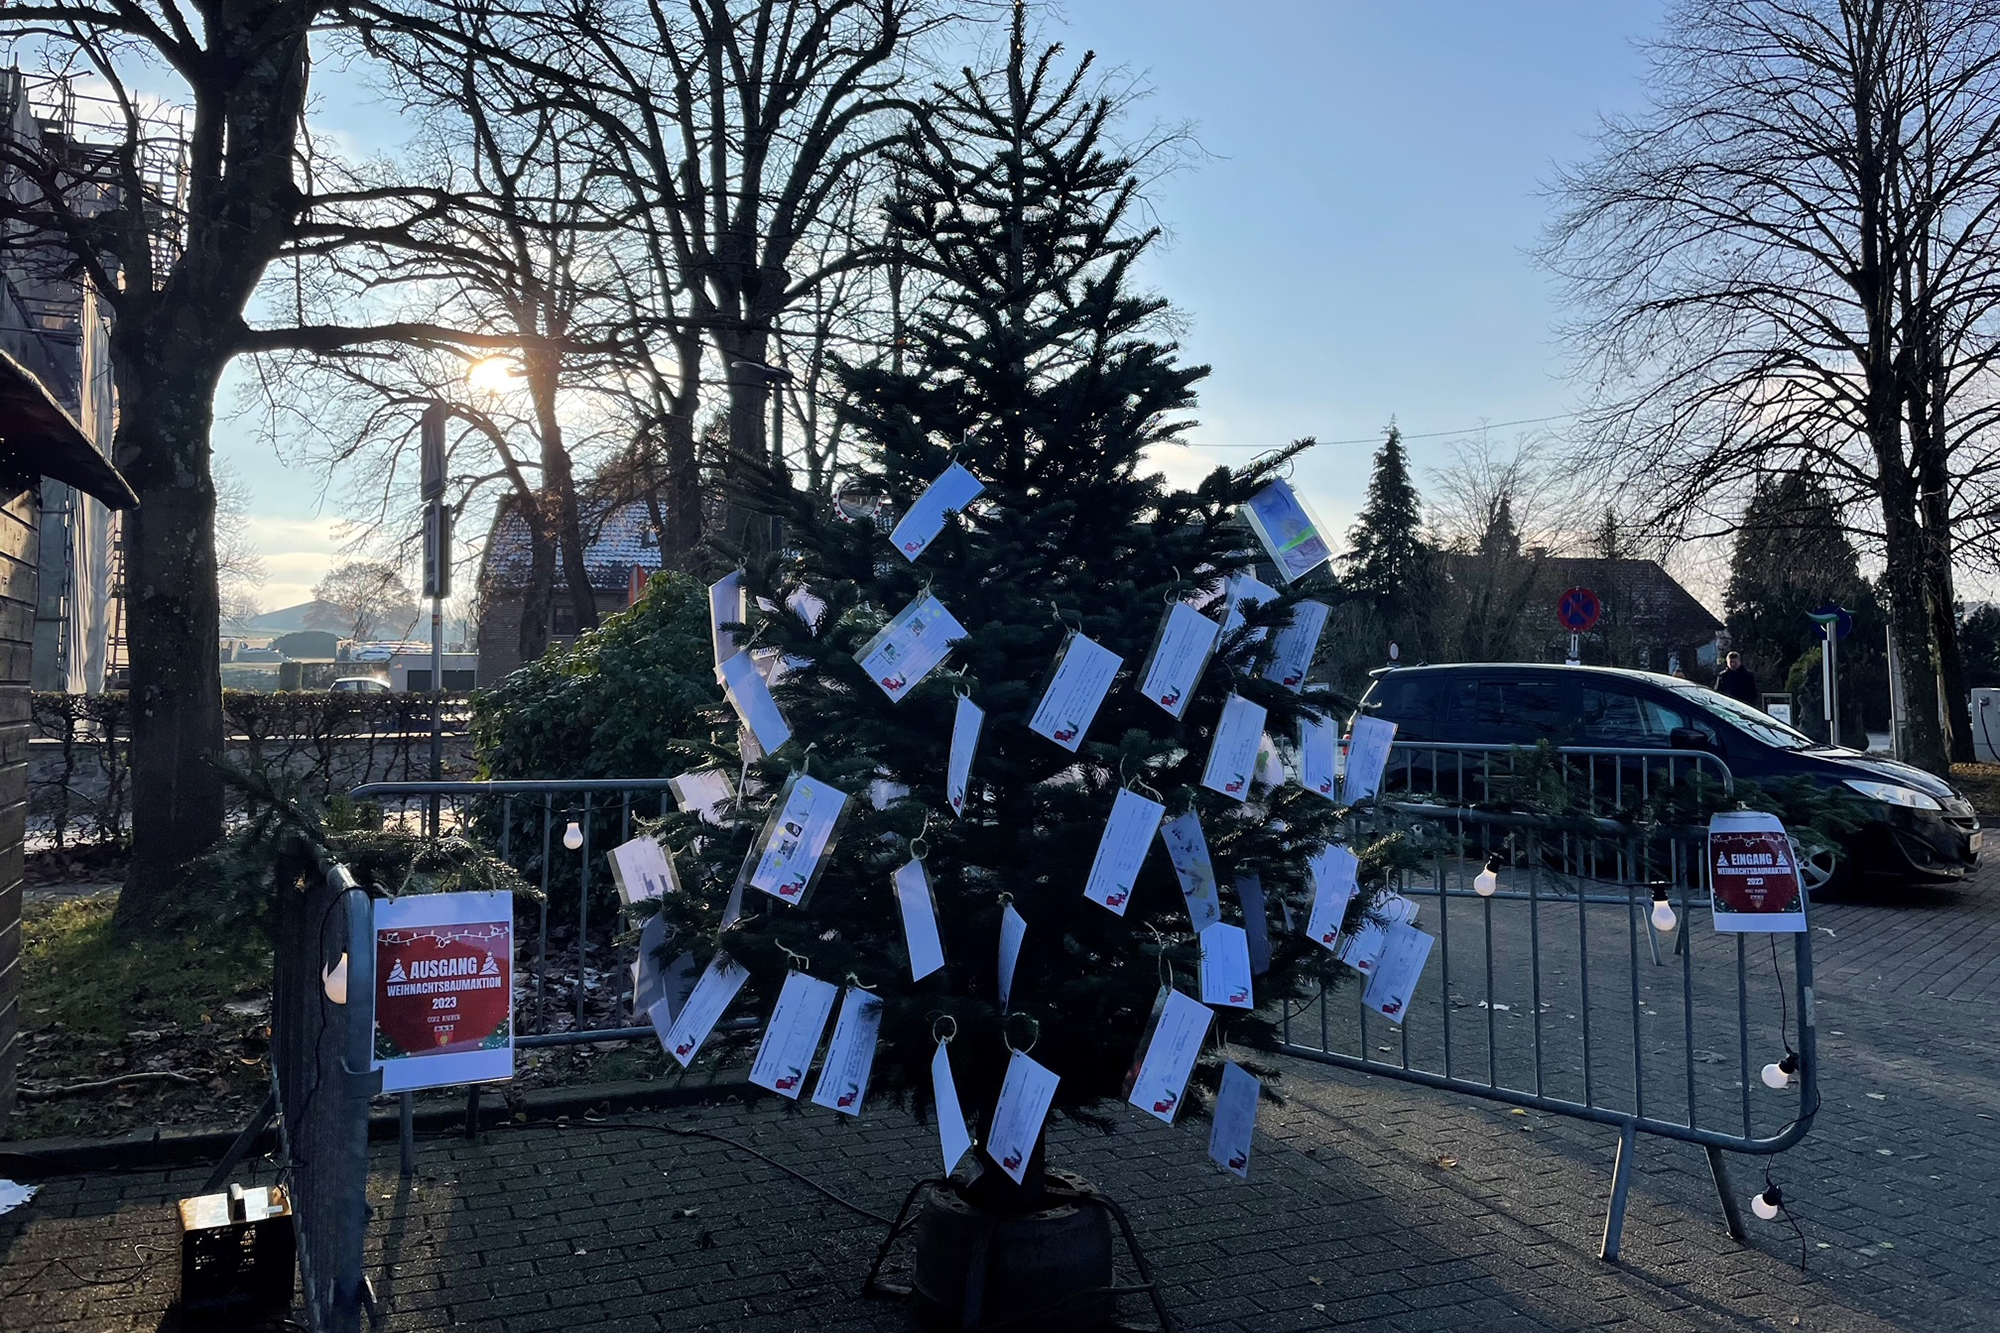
(1892, 793)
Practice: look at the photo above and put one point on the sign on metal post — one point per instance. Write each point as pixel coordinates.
(433, 451)
(437, 556)
(1578, 609)
(444, 989)
(1835, 623)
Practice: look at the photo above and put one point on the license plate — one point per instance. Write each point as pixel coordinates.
(1978, 837)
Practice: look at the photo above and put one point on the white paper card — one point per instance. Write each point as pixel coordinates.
(1013, 929)
(807, 607)
(966, 723)
(954, 489)
(750, 695)
(1404, 953)
(1239, 590)
(1025, 1095)
(850, 1056)
(1235, 1121)
(1292, 654)
(793, 1034)
(910, 646)
(1128, 834)
(1083, 675)
(1334, 873)
(652, 983)
(682, 1034)
(953, 1138)
(1232, 753)
(1288, 532)
(726, 606)
(1186, 639)
(1362, 951)
(1319, 755)
(1225, 966)
(1367, 756)
(705, 793)
(642, 870)
(796, 838)
(1256, 925)
(1188, 850)
(920, 928)
(1178, 1026)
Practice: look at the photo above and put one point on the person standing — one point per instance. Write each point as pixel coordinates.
(1737, 682)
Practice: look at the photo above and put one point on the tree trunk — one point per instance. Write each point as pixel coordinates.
(167, 370)
(536, 598)
(1903, 577)
(1933, 465)
(559, 490)
(680, 531)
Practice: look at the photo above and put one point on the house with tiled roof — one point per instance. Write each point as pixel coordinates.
(619, 537)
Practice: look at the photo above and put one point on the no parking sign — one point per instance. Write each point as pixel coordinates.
(1753, 874)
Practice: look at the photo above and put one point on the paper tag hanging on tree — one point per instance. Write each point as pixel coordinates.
(1238, 592)
(1025, 1095)
(793, 1034)
(652, 983)
(953, 1138)
(1335, 873)
(1367, 755)
(1188, 850)
(792, 847)
(682, 1034)
(1289, 533)
(1235, 1120)
(954, 489)
(1083, 674)
(966, 723)
(850, 1056)
(1167, 1054)
(910, 646)
(1225, 966)
(1181, 650)
(727, 605)
(750, 695)
(920, 928)
(1128, 834)
(1232, 752)
(1256, 925)
(642, 870)
(1013, 929)
(705, 793)
(1319, 755)
(1400, 967)
(1362, 950)
(1292, 654)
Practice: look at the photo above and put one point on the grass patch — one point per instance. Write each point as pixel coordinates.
(94, 1006)
(1981, 785)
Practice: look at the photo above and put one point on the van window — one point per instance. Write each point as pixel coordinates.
(1620, 718)
(1489, 710)
(1412, 702)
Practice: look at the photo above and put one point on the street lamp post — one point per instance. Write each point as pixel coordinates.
(775, 379)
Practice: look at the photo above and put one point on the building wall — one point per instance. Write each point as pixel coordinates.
(17, 612)
(500, 629)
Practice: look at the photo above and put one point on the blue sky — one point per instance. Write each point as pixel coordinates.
(1352, 247)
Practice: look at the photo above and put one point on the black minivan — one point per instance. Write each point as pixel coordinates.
(1924, 830)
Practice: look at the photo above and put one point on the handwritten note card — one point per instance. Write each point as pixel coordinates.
(1168, 1053)
(1235, 1121)
(750, 695)
(1023, 1105)
(1401, 966)
(793, 1034)
(642, 870)
(954, 489)
(1084, 672)
(1188, 850)
(1128, 833)
(1334, 876)
(1232, 752)
(850, 1056)
(920, 927)
(910, 646)
(1292, 654)
(1225, 966)
(1367, 756)
(682, 1034)
(953, 1138)
(966, 722)
(796, 836)
(1180, 651)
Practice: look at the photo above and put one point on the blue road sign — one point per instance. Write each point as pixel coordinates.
(1833, 615)
(1578, 609)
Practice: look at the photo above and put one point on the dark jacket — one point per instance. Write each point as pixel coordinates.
(1739, 684)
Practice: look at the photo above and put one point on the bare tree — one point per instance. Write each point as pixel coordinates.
(1737, 256)
(239, 566)
(372, 599)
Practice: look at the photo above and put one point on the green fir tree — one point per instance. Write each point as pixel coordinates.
(1043, 369)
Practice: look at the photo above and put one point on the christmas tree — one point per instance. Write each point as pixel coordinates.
(1046, 374)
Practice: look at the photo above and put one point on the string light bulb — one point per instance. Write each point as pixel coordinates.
(1768, 1204)
(1487, 881)
(334, 981)
(573, 836)
(1664, 919)
(1779, 1073)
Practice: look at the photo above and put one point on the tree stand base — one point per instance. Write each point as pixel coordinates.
(1048, 1271)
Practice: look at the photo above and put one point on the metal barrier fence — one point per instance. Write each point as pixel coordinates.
(1539, 995)
(323, 954)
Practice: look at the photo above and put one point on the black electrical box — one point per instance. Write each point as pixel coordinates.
(238, 1252)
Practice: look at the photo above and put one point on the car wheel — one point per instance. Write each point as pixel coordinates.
(1822, 870)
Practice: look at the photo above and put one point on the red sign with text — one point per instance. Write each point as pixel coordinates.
(444, 988)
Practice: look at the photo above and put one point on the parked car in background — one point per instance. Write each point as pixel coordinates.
(1922, 829)
(359, 685)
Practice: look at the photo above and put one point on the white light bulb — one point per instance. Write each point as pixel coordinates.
(572, 836)
(334, 982)
(1774, 1076)
(1485, 883)
(1663, 916)
(1766, 1205)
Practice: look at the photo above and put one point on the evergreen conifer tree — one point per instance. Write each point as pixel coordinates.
(1042, 370)
(1388, 564)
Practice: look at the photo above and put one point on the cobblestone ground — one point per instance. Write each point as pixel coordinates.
(1372, 1203)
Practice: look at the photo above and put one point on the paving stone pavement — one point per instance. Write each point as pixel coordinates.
(1372, 1204)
